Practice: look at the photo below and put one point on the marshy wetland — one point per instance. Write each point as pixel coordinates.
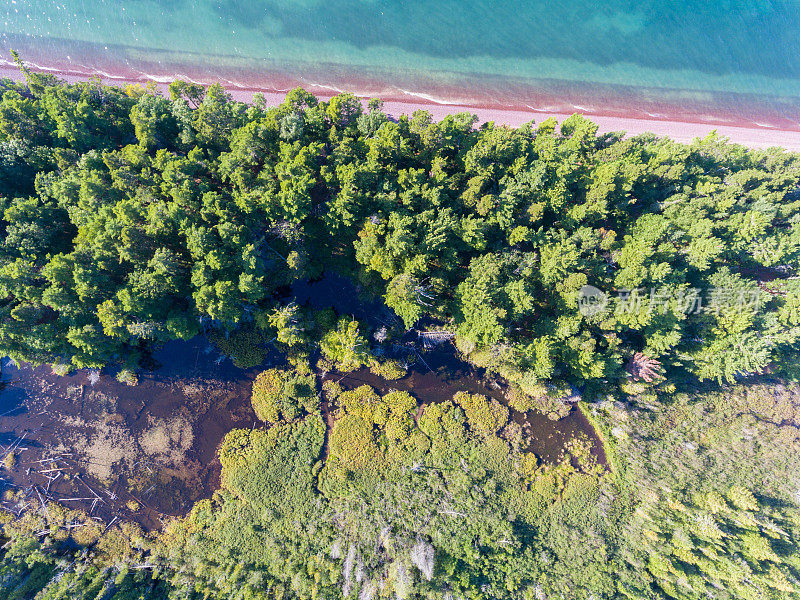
(148, 452)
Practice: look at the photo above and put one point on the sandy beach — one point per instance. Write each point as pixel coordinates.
(682, 131)
(681, 124)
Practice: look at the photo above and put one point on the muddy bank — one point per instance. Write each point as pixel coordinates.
(143, 452)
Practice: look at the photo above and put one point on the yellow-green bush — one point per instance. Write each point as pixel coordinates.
(485, 416)
(363, 402)
(442, 419)
(367, 425)
(280, 395)
(399, 403)
(399, 420)
(352, 443)
(332, 389)
(10, 461)
(266, 396)
(271, 469)
(388, 369)
(128, 377)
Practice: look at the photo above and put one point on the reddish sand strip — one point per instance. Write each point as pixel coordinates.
(740, 131)
(680, 131)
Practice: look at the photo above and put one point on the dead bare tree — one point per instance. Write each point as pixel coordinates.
(641, 366)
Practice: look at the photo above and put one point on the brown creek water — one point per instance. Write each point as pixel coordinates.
(153, 444)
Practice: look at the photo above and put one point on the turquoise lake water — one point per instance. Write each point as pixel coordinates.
(680, 50)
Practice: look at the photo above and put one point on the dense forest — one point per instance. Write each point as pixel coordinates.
(552, 255)
(130, 219)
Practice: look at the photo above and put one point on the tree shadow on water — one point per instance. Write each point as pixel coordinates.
(12, 401)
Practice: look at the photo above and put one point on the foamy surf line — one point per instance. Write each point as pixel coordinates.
(400, 101)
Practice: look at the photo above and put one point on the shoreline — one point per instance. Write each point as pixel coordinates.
(679, 124)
